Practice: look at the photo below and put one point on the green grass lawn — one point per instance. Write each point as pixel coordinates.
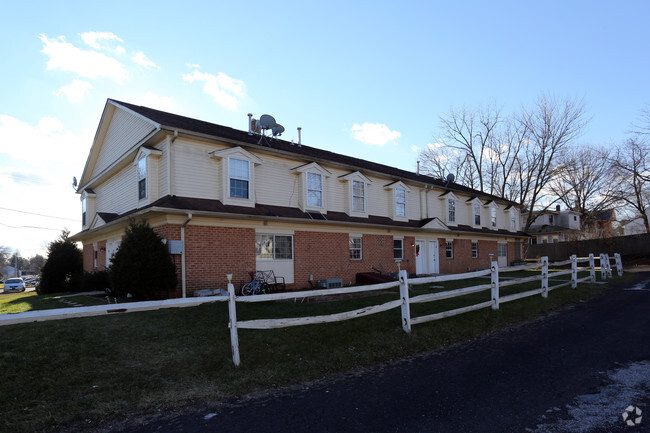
(97, 369)
(29, 301)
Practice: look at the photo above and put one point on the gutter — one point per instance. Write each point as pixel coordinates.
(183, 280)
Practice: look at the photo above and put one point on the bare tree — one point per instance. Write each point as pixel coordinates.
(551, 126)
(631, 167)
(586, 183)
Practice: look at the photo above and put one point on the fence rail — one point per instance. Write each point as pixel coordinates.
(403, 302)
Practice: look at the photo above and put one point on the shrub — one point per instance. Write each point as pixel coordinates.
(63, 266)
(95, 281)
(141, 265)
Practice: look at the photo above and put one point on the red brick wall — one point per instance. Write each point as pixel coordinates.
(327, 255)
(463, 261)
(101, 256)
(88, 257)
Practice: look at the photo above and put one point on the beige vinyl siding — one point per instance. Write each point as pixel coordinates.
(195, 173)
(119, 193)
(124, 132)
(275, 183)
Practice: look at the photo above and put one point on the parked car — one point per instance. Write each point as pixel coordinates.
(14, 285)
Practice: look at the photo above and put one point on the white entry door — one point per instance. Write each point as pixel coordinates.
(433, 257)
(420, 257)
(502, 250)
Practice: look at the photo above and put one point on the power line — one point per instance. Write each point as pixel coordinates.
(38, 214)
(28, 227)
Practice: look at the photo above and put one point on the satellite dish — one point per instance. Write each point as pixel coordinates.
(450, 177)
(74, 181)
(277, 130)
(266, 122)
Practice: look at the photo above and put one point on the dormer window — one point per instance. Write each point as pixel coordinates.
(550, 219)
(142, 178)
(451, 210)
(358, 196)
(314, 189)
(239, 175)
(493, 217)
(83, 211)
(513, 220)
(477, 214)
(400, 202)
(357, 191)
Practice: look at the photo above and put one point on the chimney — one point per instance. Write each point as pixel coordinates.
(417, 170)
(299, 136)
(250, 123)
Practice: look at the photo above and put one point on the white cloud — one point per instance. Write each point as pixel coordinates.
(92, 39)
(164, 103)
(193, 65)
(38, 162)
(141, 59)
(88, 64)
(434, 146)
(75, 92)
(225, 90)
(415, 148)
(376, 134)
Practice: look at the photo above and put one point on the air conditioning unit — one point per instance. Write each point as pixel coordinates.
(330, 283)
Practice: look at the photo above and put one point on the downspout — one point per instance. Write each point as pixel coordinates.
(183, 281)
(172, 179)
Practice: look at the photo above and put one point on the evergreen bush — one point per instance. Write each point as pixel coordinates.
(63, 266)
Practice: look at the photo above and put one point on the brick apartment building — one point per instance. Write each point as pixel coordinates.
(234, 201)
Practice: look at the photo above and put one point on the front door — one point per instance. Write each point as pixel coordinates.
(433, 257)
(420, 257)
(502, 250)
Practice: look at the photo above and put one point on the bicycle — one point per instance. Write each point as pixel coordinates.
(256, 286)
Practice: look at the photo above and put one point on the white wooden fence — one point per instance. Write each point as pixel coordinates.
(403, 302)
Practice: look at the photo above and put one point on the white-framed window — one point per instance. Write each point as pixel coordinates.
(314, 189)
(449, 249)
(273, 247)
(358, 196)
(400, 202)
(239, 178)
(513, 221)
(398, 249)
(142, 178)
(355, 248)
(451, 210)
(550, 219)
(502, 249)
(475, 249)
(493, 217)
(477, 214)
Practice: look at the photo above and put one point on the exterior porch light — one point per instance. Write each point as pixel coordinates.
(229, 276)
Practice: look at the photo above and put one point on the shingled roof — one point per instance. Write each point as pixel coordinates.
(188, 124)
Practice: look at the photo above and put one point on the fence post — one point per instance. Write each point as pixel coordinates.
(619, 264)
(232, 324)
(609, 266)
(592, 268)
(406, 306)
(495, 285)
(545, 277)
(603, 267)
(574, 271)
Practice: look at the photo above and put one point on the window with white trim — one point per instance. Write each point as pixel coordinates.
(451, 209)
(513, 221)
(502, 249)
(449, 249)
(273, 247)
(398, 249)
(355, 248)
(83, 211)
(477, 214)
(474, 249)
(400, 202)
(239, 178)
(493, 217)
(358, 196)
(314, 189)
(142, 178)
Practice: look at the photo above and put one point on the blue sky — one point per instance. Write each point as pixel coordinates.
(367, 79)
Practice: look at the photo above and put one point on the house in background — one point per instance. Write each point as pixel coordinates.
(230, 201)
(635, 227)
(552, 226)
